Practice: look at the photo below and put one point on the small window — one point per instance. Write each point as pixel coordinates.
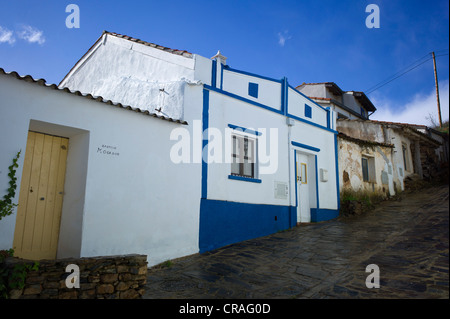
(243, 156)
(368, 169)
(363, 112)
(303, 174)
(365, 169)
(308, 111)
(253, 89)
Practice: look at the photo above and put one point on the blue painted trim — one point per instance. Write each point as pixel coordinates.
(328, 118)
(312, 123)
(317, 183)
(205, 124)
(214, 74)
(311, 148)
(337, 173)
(283, 97)
(286, 97)
(252, 74)
(296, 194)
(244, 179)
(223, 223)
(242, 99)
(253, 89)
(221, 76)
(322, 214)
(308, 111)
(315, 103)
(245, 130)
(269, 108)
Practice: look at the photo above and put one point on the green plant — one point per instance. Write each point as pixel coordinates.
(4, 272)
(13, 278)
(6, 205)
(19, 273)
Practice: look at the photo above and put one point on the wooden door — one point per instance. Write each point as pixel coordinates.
(41, 196)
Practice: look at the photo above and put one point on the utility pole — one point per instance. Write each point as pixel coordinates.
(437, 89)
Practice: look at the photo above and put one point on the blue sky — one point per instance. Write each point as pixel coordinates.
(306, 41)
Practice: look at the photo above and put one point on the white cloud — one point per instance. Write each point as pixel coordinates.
(31, 35)
(283, 37)
(416, 111)
(6, 36)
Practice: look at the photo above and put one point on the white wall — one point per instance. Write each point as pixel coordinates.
(323, 140)
(350, 102)
(134, 202)
(297, 102)
(313, 90)
(269, 92)
(225, 110)
(133, 74)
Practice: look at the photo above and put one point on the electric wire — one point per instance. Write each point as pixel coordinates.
(400, 73)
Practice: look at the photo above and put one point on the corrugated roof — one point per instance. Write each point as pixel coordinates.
(42, 82)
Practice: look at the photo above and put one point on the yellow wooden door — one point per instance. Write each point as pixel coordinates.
(41, 196)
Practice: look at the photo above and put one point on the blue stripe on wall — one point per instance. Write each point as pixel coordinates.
(205, 123)
(223, 223)
(214, 73)
(322, 214)
(337, 172)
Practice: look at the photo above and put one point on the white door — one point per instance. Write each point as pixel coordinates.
(303, 183)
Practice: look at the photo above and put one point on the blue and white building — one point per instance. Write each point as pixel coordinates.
(224, 156)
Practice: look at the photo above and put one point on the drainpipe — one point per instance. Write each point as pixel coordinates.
(289, 122)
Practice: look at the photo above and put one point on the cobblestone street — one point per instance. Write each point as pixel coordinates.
(408, 239)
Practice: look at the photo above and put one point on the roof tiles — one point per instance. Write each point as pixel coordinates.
(42, 82)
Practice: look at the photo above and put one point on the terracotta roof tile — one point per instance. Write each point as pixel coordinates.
(160, 47)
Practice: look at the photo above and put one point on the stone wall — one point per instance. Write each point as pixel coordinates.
(112, 277)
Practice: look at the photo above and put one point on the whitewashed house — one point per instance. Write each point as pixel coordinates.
(347, 104)
(196, 155)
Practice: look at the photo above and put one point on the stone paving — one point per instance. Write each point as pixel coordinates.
(407, 239)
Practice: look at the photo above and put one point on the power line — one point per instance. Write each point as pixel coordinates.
(390, 80)
(405, 70)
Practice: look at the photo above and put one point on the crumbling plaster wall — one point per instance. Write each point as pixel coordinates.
(381, 175)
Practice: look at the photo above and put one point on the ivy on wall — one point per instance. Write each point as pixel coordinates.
(6, 204)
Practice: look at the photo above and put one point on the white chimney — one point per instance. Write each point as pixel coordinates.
(220, 58)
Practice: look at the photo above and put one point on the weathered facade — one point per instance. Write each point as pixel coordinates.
(412, 152)
(365, 166)
(377, 156)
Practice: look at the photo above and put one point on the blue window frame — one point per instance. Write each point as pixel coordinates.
(363, 112)
(308, 111)
(253, 89)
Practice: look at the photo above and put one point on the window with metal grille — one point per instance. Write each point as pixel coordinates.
(243, 156)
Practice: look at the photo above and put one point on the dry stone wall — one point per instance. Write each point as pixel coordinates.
(112, 277)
